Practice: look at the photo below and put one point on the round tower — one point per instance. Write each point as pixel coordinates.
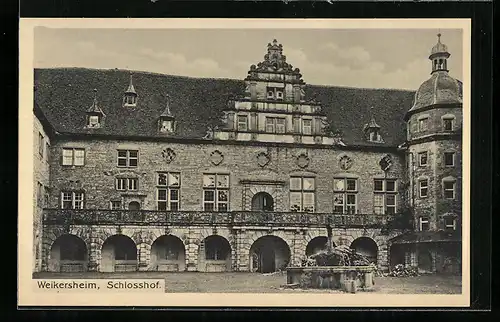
(434, 147)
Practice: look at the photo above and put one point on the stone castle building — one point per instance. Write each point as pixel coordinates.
(181, 174)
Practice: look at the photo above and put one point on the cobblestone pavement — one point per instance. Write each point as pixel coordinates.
(271, 283)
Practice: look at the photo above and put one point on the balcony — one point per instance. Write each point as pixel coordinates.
(201, 218)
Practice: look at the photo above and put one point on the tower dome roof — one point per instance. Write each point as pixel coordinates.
(440, 88)
(439, 47)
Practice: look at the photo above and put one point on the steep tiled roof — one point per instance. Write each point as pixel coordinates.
(65, 94)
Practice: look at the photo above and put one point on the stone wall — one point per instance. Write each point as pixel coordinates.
(40, 186)
(242, 162)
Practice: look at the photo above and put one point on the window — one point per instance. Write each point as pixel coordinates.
(127, 158)
(422, 159)
(127, 184)
(40, 144)
(167, 126)
(46, 196)
(130, 100)
(93, 120)
(116, 205)
(384, 201)
(449, 159)
(449, 189)
(424, 223)
(450, 224)
(215, 192)
(47, 151)
(275, 125)
(307, 126)
(280, 125)
(448, 124)
(242, 123)
(73, 157)
(270, 94)
(422, 124)
(345, 195)
(168, 191)
(279, 95)
(424, 187)
(72, 200)
(39, 195)
(302, 194)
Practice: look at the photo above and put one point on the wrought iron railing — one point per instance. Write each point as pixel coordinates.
(233, 218)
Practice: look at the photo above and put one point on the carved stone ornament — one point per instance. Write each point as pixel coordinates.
(168, 154)
(385, 163)
(345, 162)
(263, 159)
(303, 160)
(216, 157)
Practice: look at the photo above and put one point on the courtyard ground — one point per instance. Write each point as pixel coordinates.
(240, 282)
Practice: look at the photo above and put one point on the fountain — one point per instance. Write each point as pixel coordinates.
(334, 268)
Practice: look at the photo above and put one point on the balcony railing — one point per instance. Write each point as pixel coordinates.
(186, 218)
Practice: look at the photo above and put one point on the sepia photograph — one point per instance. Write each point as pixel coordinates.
(245, 158)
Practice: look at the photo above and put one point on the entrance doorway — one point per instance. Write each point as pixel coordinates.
(262, 201)
(269, 254)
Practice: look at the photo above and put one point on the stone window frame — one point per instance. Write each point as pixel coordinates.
(303, 192)
(420, 181)
(240, 123)
(420, 155)
(72, 198)
(422, 221)
(304, 126)
(273, 121)
(454, 154)
(47, 152)
(217, 202)
(168, 204)
(73, 156)
(453, 226)
(385, 193)
(453, 181)
(420, 119)
(448, 117)
(127, 184)
(346, 192)
(127, 158)
(114, 202)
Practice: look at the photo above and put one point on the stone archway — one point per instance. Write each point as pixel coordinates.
(215, 254)
(118, 254)
(367, 247)
(269, 254)
(317, 244)
(68, 253)
(168, 254)
(262, 201)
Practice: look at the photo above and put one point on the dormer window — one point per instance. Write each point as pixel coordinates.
(167, 119)
(372, 130)
(95, 116)
(167, 126)
(94, 121)
(130, 96)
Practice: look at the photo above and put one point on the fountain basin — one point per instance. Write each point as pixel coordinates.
(346, 278)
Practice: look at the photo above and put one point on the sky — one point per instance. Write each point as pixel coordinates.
(364, 58)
